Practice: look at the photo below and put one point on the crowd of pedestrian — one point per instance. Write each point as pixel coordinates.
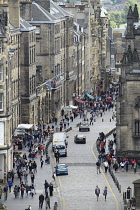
(109, 160)
(26, 167)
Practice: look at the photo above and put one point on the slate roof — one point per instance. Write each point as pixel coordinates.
(25, 26)
(40, 14)
(58, 11)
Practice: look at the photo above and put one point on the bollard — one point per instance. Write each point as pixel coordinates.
(102, 120)
(110, 119)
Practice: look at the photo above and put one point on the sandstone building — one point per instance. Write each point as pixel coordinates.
(128, 104)
(48, 58)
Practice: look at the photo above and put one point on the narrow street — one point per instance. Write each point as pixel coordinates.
(77, 190)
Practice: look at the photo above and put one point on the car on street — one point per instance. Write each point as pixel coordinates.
(61, 149)
(84, 126)
(80, 139)
(61, 169)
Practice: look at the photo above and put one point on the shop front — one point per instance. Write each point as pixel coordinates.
(3, 154)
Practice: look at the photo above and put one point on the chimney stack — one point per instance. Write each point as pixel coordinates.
(44, 3)
(26, 10)
(14, 13)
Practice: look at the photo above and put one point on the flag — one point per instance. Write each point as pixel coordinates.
(62, 76)
(48, 84)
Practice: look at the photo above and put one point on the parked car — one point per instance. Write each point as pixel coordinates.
(61, 169)
(80, 139)
(84, 126)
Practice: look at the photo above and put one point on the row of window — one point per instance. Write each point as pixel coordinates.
(32, 84)
(32, 55)
(32, 37)
(15, 89)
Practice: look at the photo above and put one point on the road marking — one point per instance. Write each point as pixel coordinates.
(105, 177)
(63, 201)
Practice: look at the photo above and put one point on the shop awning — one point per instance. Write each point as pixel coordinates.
(79, 100)
(91, 97)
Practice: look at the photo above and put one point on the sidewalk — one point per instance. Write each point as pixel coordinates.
(42, 174)
(125, 179)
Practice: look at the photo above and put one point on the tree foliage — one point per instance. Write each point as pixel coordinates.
(112, 24)
(120, 17)
(117, 17)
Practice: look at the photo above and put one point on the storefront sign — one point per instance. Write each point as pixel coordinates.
(1, 133)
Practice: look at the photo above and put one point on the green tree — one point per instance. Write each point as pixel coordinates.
(131, 3)
(120, 17)
(112, 24)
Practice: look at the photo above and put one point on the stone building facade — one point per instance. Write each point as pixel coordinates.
(94, 21)
(128, 104)
(28, 73)
(54, 56)
(5, 92)
(17, 78)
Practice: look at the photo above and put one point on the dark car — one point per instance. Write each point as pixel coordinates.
(84, 126)
(61, 169)
(80, 139)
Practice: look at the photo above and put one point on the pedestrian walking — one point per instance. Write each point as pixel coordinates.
(105, 192)
(65, 124)
(68, 121)
(42, 161)
(5, 190)
(46, 186)
(106, 165)
(91, 120)
(10, 183)
(132, 163)
(122, 164)
(12, 175)
(1, 190)
(27, 188)
(29, 208)
(47, 200)
(126, 165)
(34, 167)
(97, 192)
(98, 166)
(22, 191)
(54, 176)
(57, 155)
(32, 190)
(41, 201)
(25, 174)
(51, 189)
(116, 166)
(20, 176)
(32, 177)
(135, 167)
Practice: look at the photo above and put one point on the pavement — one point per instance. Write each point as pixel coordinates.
(68, 194)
